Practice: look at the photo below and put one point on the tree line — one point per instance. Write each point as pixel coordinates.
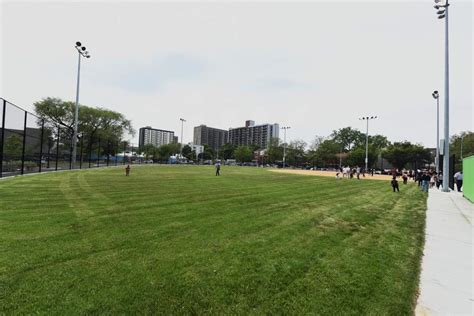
(344, 146)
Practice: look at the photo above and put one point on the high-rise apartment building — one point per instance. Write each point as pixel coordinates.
(213, 137)
(156, 137)
(252, 134)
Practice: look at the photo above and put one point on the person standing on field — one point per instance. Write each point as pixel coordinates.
(405, 178)
(394, 184)
(218, 168)
(458, 178)
(127, 170)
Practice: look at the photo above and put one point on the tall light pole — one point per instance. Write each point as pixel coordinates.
(284, 144)
(182, 123)
(443, 13)
(82, 52)
(367, 119)
(435, 95)
(462, 144)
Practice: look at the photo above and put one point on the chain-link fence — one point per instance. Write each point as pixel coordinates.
(30, 144)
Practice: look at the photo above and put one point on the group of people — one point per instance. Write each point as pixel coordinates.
(350, 173)
(426, 179)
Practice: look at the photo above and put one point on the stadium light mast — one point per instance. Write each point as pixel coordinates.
(182, 123)
(284, 144)
(435, 95)
(367, 119)
(443, 14)
(81, 52)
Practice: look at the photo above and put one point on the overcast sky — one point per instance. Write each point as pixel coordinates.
(315, 66)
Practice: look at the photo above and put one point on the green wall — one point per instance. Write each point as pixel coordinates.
(468, 180)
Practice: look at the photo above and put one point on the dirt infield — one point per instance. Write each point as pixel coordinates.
(331, 174)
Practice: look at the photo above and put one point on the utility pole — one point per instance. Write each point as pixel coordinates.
(367, 119)
(82, 52)
(443, 13)
(284, 144)
(181, 149)
(435, 95)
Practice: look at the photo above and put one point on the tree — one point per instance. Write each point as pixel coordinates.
(164, 152)
(187, 152)
(399, 154)
(467, 140)
(316, 142)
(326, 153)
(208, 153)
(13, 146)
(243, 154)
(378, 141)
(93, 122)
(356, 157)
(296, 152)
(274, 151)
(227, 151)
(150, 151)
(348, 138)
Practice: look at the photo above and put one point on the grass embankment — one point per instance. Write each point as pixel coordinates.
(176, 240)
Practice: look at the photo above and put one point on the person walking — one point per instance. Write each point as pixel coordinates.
(425, 181)
(458, 178)
(405, 178)
(358, 172)
(394, 184)
(218, 168)
(127, 170)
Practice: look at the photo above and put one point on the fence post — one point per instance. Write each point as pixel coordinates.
(124, 149)
(82, 145)
(90, 151)
(108, 152)
(57, 148)
(24, 145)
(98, 153)
(41, 146)
(49, 153)
(3, 137)
(116, 153)
(70, 154)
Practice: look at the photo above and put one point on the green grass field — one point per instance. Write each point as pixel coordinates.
(179, 240)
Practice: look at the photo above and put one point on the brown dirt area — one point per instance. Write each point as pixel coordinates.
(331, 174)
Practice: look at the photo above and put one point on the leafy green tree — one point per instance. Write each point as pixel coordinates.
(227, 151)
(243, 154)
(207, 154)
(93, 122)
(467, 141)
(356, 157)
(326, 153)
(164, 152)
(378, 141)
(188, 152)
(399, 154)
(150, 151)
(13, 146)
(348, 138)
(296, 152)
(274, 151)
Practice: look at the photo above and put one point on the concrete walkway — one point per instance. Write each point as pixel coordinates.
(446, 283)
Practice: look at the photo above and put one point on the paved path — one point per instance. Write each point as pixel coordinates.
(446, 283)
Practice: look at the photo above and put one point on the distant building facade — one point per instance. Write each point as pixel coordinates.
(213, 137)
(156, 137)
(252, 134)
